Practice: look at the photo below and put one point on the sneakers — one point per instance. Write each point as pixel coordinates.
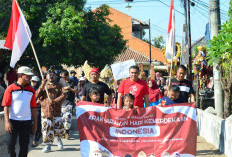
(60, 143)
(46, 149)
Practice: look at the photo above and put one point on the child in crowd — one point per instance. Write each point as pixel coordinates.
(128, 102)
(94, 94)
(172, 98)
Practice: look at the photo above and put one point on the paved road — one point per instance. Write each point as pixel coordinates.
(70, 146)
(204, 149)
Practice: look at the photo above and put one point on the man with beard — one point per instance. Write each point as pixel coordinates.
(52, 124)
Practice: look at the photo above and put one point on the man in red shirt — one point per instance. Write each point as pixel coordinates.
(134, 86)
(19, 103)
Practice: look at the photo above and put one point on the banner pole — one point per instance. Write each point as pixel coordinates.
(173, 43)
(36, 58)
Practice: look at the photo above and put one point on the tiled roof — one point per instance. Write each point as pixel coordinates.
(2, 42)
(129, 54)
(143, 47)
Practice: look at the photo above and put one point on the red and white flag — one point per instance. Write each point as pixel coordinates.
(17, 39)
(170, 43)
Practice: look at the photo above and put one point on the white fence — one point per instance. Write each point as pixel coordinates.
(216, 131)
(2, 124)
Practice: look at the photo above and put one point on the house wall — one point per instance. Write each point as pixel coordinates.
(136, 34)
(125, 22)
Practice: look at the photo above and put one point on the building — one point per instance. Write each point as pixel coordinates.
(137, 49)
(133, 32)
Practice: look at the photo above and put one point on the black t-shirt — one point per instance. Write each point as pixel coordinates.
(103, 88)
(70, 96)
(185, 88)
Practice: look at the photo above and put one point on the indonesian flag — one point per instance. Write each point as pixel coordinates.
(170, 43)
(17, 39)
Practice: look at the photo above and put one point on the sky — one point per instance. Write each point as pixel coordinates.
(158, 12)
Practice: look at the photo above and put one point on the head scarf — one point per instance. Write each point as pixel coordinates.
(95, 70)
(154, 92)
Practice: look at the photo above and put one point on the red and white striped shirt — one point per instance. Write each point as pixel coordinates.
(20, 100)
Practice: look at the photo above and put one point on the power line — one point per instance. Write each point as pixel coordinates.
(206, 9)
(117, 2)
(206, 6)
(169, 7)
(164, 30)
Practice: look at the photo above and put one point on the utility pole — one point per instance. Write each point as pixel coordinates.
(215, 22)
(189, 43)
(186, 22)
(150, 39)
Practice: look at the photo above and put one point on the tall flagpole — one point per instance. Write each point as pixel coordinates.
(36, 58)
(173, 43)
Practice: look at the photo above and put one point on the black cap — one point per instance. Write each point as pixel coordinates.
(72, 71)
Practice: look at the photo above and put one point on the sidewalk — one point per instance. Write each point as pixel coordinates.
(204, 149)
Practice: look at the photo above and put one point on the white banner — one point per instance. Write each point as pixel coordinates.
(121, 70)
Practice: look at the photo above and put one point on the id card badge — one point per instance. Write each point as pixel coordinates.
(184, 89)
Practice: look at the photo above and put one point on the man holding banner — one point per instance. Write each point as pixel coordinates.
(103, 88)
(186, 89)
(134, 86)
(152, 132)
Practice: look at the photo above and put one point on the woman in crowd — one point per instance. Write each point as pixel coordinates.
(154, 93)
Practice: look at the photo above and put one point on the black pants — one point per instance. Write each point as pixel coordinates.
(21, 129)
(38, 133)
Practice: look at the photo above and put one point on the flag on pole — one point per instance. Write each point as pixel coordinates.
(17, 39)
(170, 43)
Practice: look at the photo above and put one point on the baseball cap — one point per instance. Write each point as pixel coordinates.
(72, 71)
(82, 79)
(25, 70)
(35, 78)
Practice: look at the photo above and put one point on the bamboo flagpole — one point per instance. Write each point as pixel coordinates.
(36, 58)
(171, 31)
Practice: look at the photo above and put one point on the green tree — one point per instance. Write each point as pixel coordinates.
(64, 33)
(230, 10)
(100, 43)
(219, 53)
(159, 42)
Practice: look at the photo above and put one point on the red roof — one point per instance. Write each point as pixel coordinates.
(129, 54)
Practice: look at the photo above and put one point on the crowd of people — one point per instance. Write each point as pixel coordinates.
(47, 105)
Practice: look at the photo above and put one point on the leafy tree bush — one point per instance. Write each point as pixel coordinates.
(63, 32)
(220, 54)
